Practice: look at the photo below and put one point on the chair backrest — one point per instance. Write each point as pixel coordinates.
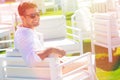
(16, 66)
(82, 19)
(68, 5)
(7, 21)
(40, 4)
(49, 1)
(103, 6)
(52, 27)
(8, 15)
(106, 28)
(7, 24)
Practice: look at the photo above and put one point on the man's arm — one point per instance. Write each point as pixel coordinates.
(55, 51)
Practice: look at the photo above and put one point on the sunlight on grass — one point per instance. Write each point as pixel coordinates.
(117, 52)
(108, 75)
(102, 75)
(2, 52)
(99, 55)
(115, 74)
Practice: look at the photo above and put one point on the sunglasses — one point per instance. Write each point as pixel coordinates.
(32, 16)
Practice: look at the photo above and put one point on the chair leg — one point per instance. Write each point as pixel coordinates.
(1, 69)
(55, 72)
(110, 54)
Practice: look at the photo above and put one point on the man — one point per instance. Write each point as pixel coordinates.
(29, 44)
(27, 41)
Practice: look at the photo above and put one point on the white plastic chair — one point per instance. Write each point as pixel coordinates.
(81, 19)
(14, 68)
(103, 6)
(5, 39)
(7, 22)
(106, 32)
(50, 4)
(40, 4)
(68, 6)
(54, 30)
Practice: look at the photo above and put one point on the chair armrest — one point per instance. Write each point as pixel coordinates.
(56, 67)
(72, 34)
(72, 20)
(74, 59)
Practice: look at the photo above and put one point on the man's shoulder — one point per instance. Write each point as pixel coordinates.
(24, 30)
(23, 33)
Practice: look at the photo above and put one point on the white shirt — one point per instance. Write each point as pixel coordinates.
(27, 42)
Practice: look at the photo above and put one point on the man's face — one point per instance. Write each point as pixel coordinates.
(31, 18)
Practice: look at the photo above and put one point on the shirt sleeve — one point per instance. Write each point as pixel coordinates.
(26, 46)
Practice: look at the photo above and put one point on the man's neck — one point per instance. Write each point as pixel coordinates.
(27, 26)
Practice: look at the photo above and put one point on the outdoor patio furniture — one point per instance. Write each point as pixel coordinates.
(13, 67)
(69, 6)
(48, 4)
(43, 5)
(57, 34)
(5, 39)
(40, 4)
(103, 6)
(81, 19)
(7, 12)
(8, 21)
(106, 32)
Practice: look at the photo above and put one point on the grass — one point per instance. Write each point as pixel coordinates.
(2, 52)
(104, 69)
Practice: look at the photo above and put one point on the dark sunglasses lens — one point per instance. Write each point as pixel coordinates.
(34, 15)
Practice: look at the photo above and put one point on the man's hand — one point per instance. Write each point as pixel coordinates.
(53, 52)
(58, 52)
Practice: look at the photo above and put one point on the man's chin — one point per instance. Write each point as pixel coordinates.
(36, 25)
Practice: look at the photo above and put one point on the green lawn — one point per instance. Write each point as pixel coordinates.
(104, 69)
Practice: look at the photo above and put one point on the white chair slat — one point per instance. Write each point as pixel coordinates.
(26, 72)
(24, 79)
